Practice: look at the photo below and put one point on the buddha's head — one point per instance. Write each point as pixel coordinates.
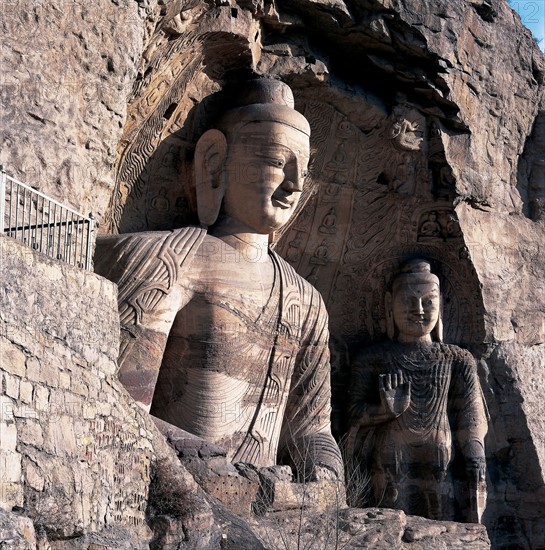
(413, 308)
(251, 168)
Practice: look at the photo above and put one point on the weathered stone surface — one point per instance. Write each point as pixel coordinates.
(373, 528)
(467, 67)
(72, 81)
(78, 458)
(16, 532)
(187, 445)
(68, 459)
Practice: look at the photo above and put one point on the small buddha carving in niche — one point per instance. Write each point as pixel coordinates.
(329, 223)
(416, 405)
(321, 254)
(220, 336)
(431, 227)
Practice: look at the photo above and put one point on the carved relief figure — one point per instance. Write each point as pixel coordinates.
(321, 254)
(414, 403)
(406, 135)
(332, 193)
(159, 205)
(294, 250)
(453, 227)
(329, 223)
(431, 228)
(406, 172)
(438, 224)
(229, 342)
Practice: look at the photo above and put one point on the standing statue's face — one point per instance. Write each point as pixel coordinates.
(415, 306)
(264, 172)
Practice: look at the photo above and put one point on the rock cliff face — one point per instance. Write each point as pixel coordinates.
(427, 135)
(68, 72)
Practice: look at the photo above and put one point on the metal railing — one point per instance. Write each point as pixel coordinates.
(44, 224)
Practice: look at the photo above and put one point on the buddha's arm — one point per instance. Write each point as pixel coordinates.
(147, 268)
(468, 412)
(306, 439)
(143, 346)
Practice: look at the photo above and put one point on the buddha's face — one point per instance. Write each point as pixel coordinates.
(415, 307)
(264, 172)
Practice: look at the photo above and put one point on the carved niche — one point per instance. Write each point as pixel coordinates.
(417, 415)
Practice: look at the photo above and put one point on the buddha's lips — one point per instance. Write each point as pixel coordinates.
(417, 319)
(284, 203)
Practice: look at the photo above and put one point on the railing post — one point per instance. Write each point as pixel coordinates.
(2, 198)
(90, 229)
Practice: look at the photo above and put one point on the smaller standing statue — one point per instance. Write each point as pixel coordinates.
(416, 406)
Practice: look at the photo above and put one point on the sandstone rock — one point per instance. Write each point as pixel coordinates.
(16, 532)
(141, 77)
(91, 54)
(376, 528)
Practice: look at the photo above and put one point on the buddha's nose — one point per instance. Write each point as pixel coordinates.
(417, 306)
(293, 181)
(289, 185)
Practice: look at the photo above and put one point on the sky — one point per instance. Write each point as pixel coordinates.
(532, 15)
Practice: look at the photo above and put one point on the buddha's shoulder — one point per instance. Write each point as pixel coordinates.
(176, 239)
(459, 355)
(294, 279)
(383, 351)
(142, 251)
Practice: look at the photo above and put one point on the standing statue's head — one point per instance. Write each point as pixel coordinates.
(413, 308)
(251, 168)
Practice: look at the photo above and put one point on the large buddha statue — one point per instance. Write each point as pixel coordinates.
(220, 336)
(416, 405)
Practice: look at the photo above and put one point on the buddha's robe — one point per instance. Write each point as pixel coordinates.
(258, 385)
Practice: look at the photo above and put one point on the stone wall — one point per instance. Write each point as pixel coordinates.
(75, 455)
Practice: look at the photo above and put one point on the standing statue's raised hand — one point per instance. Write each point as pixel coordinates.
(395, 393)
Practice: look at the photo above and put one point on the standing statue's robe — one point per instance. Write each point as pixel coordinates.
(259, 387)
(446, 407)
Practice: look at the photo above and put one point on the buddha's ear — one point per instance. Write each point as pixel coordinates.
(438, 329)
(210, 154)
(390, 325)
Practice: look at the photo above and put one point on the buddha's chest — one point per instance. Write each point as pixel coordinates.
(222, 333)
